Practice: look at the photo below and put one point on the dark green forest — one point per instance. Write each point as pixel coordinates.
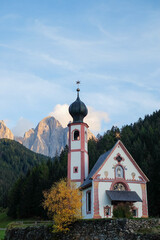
(15, 161)
(26, 196)
(142, 139)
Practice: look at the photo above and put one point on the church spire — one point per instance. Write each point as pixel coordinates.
(78, 109)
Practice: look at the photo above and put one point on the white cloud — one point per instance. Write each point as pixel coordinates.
(21, 127)
(61, 113)
(94, 118)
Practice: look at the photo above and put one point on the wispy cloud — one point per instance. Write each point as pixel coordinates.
(40, 56)
(9, 17)
(111, 37)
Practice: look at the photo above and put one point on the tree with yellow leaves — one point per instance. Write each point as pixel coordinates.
(64, 204)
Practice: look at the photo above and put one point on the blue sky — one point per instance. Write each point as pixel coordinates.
(112, 47)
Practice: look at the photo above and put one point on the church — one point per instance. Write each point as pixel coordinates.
(115, 177)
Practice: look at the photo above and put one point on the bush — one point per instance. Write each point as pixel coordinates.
(123, 210)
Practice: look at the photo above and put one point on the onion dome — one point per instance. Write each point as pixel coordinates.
(78, 109)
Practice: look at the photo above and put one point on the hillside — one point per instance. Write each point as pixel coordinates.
(15, 160)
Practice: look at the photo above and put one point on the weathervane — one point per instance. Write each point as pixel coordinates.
(78, 82)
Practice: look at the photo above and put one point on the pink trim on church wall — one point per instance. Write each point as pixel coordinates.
(144, 201)
(120, 180)
(78, 150)
(96, 201)
(69, 166)
(76, 180)
(112, 180)
(82, 123)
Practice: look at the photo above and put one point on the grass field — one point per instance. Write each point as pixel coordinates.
(2, 234)
(4, 220)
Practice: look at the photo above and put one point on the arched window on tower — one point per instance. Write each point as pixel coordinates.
(119, 172)
(76, 135)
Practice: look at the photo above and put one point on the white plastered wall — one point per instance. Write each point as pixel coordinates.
(103, 198)
(75, 162)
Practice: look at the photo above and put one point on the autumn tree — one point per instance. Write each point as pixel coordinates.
(63, 203)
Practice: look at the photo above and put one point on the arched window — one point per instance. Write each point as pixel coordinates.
(76, 135)
(119, 172)
(119, 187)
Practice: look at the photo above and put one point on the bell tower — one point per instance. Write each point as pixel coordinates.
(78, 161)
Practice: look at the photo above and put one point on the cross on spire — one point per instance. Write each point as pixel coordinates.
(118, 135)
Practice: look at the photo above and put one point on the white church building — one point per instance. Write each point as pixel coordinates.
(115, 177)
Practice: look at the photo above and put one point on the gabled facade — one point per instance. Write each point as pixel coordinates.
(115, 177)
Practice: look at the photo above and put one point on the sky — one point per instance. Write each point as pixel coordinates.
(111, 46)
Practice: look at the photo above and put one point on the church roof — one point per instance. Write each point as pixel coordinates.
(123, 196)
(97, 165)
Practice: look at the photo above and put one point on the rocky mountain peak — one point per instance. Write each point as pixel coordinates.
(5, 132)
(48, 138)
(47, 124)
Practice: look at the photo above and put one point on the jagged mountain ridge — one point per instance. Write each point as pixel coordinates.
(48, 138)
(5, 132)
